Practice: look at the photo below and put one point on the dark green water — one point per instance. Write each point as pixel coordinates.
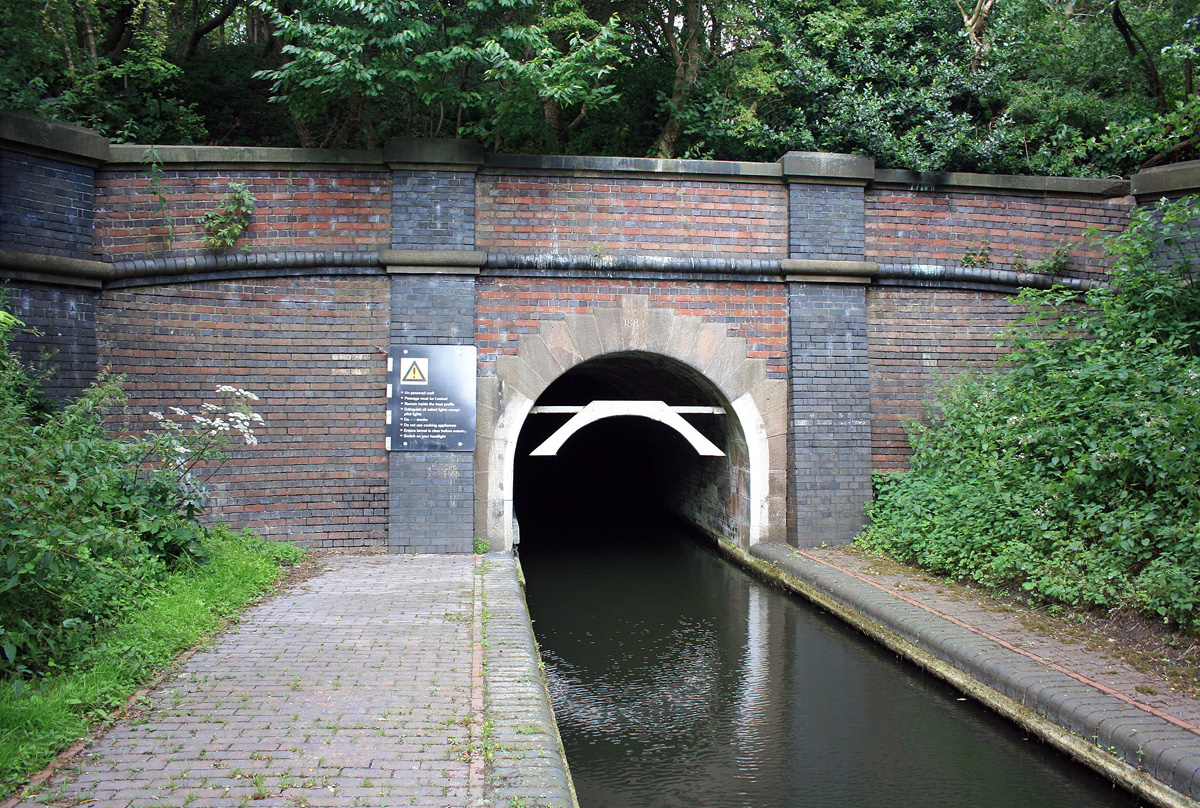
(678, 680)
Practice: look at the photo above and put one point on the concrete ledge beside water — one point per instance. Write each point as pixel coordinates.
(529, 767)
(1152, 754)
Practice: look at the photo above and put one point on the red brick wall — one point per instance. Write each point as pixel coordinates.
(505, 308)
(582, 215)
(309, 210)
(915, 336)
(308, 348)
(915, 227)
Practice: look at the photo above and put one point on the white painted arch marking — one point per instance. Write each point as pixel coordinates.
(655, 410)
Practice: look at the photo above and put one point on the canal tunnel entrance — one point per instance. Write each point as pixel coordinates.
(627, 469)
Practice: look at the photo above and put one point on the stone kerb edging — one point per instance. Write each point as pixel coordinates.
(1147, 754)
(528, 756)
(503, 401)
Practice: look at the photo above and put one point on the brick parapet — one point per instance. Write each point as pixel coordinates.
(600, 215)
(46, 205)
(826, 221)
(1020, 230)
(296, 210)
(433, 209)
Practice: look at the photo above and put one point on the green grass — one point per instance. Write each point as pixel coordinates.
(37, 721)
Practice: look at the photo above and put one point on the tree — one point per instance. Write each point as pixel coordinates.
(565, 83)
(440, 70)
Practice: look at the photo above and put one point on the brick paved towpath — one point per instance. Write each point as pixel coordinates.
(413, 680)
(361, 686)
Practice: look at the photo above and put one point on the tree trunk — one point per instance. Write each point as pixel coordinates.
(688, 62)
(976, 24)
(1141, 54)
(202, 30)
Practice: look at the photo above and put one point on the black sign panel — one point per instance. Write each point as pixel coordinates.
(431, 398)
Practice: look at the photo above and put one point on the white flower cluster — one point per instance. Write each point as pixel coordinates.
(228, 389)
(215, 420)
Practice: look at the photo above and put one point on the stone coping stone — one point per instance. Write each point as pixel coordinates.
(65, 141)
(131, 155)
(1003, 183)
(633, 165)
(1149, 743)
(1179, 179)
(824, 167)
(425, 151)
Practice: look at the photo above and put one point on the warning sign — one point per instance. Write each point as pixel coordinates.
(431, 398)
(414, 370)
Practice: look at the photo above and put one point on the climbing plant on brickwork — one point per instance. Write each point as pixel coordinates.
(226, 223)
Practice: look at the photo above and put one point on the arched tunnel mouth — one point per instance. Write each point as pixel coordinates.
(620, 474)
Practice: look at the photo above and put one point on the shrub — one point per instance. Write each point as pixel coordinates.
(1075, 473)
(89, 521)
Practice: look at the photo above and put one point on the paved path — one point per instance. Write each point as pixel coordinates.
(413, 680)
(362, 686)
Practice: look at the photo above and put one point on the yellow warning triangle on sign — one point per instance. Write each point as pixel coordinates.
(414, 374)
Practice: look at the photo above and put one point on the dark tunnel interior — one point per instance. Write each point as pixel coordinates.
(621, 472)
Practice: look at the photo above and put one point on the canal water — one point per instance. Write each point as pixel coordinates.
(679, 680)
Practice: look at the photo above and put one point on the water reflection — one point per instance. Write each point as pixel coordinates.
(680, 681)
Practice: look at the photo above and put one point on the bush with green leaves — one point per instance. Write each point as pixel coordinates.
(1075, 473)
(90, 521)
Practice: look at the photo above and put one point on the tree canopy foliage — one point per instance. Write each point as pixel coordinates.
(1072, 87)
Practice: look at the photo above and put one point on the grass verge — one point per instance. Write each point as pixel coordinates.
(40, 720)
